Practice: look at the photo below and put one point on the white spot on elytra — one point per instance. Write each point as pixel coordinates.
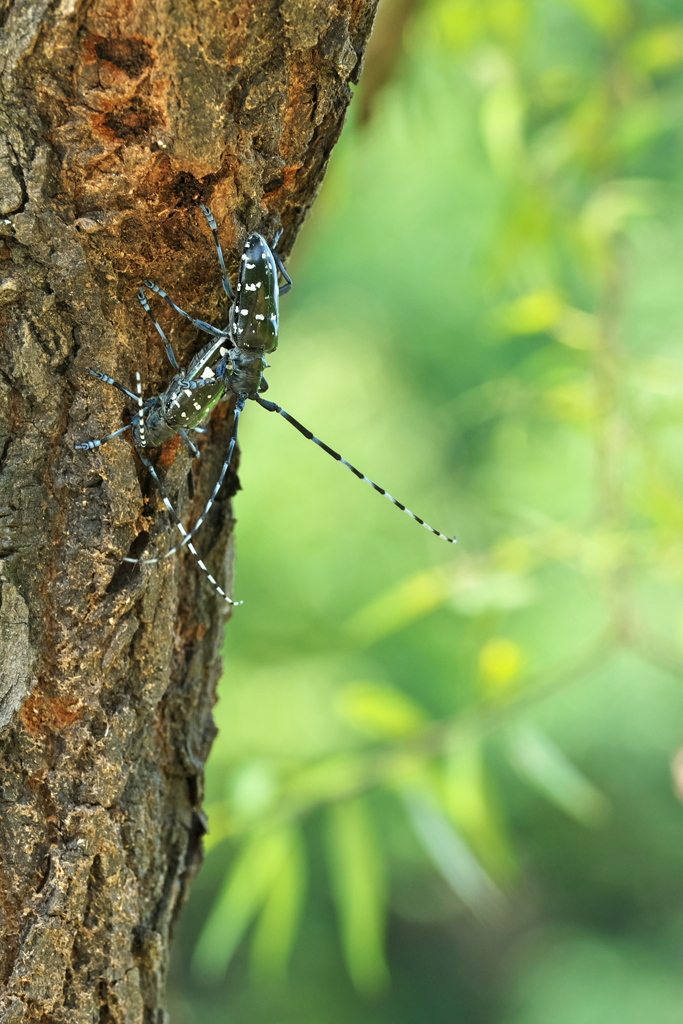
(188, 392)
(208, 372)
(259, 316)
(244, 312)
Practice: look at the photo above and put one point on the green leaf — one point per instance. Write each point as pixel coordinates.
(659, 49)
(501, 662)
(549, 770)
(253, 874)
(537, 311)
(379, 711)
(357, 877)
(452, 856)
(252, 789)
(278, 924)
(609, 17)
(407, 602)
(478, 589)
(325, 780)
(469, 804)
(502, 122)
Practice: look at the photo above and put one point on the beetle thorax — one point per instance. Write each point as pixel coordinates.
(247, 373)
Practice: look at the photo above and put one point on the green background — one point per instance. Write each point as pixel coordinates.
(444, 787)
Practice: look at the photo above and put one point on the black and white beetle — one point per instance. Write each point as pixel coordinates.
(232, 363)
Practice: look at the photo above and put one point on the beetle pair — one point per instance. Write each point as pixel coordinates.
(232, 363)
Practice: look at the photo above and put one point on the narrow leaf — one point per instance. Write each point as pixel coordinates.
(278, 924)
(379, 711)
(469, 805)
(243, 893)
(549, 770)
(452, 856)
(409, 601)
(358, 885)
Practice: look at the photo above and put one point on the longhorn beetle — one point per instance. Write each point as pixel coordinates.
(232, 363)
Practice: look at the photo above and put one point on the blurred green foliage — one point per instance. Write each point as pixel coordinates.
(441, 789)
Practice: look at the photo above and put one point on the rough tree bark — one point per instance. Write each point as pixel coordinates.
(116, 120)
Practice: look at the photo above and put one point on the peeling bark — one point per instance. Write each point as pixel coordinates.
(116, 121)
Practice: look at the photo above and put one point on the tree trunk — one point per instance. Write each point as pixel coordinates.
(116, 121)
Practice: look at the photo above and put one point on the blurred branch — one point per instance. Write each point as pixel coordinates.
(384, 51)
(354, 772)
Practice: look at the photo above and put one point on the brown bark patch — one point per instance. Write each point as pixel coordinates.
(132, 56)
(42, 714)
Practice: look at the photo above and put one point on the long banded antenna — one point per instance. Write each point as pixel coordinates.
(272, 407)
